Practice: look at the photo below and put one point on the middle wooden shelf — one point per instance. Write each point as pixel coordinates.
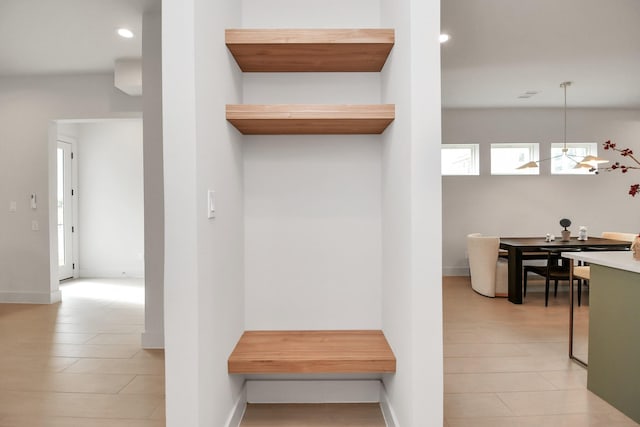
(319, 119)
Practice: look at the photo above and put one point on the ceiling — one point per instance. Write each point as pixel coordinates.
(500, 49)
(68, 36)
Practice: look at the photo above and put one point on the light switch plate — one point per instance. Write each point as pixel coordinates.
(211, 204)
(13, 206)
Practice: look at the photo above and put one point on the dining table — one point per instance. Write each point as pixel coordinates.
(520, 248)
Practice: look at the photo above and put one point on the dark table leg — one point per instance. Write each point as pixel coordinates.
(515, 275)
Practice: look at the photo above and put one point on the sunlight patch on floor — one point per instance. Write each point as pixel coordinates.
(126, 290)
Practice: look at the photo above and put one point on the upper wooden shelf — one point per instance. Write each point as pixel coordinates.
(320, 352)
(317, 119)
(288, 50)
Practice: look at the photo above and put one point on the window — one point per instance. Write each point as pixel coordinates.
(460, 159)
(506, 158)
(566, 164)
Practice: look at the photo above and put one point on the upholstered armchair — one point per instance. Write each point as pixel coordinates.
(488, 271)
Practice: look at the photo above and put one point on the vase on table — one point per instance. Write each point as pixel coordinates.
(566, 234)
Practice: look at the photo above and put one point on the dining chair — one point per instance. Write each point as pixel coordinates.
(616, 235)
(583, 272)
(554, 269)
(487, 269)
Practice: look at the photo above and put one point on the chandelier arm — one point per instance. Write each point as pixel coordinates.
(571, 157)
(550, 158)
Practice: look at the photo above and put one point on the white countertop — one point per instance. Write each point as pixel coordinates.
(622, 260)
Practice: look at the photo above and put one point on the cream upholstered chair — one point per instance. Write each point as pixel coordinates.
(615, 235)
(488, 272)
(584, 271)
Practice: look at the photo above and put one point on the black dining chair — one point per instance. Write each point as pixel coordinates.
(555, 269)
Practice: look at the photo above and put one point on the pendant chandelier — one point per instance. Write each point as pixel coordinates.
(590, 162)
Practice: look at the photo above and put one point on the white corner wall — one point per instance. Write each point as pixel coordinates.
(153, 336)
(298, 194)
(204, 268)
(312, 202)
(28, 108)
(411, 215)
(533, 205)
(110, 199)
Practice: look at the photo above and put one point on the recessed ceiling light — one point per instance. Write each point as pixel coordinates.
(444, 38)
(125, 32)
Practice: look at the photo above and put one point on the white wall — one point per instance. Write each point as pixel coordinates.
(382, 192)
(312, 203)
(28, 105)
(411, 214)
(110, 199)
(312, 233)
(533, 205)
(297, 215)
(204, 269)
(219, 166)
(153, 336)
(311, 14)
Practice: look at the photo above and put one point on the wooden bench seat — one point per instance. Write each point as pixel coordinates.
(295, 352)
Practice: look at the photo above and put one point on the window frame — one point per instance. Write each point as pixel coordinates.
(474, 159)
(592, 150)
(534, 155)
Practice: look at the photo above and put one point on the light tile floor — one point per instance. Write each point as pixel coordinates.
(507, 365)
(313, 415)
(79, 362)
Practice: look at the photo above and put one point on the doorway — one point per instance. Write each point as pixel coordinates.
(98, 206)
(65, 203)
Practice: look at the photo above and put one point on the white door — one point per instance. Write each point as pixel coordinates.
(65, 212)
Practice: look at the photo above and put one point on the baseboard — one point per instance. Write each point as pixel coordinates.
(235, 417)
(30, 297)
(110, 274)
(313, 391)
(390, 418)
(455, 271)
(151, 340)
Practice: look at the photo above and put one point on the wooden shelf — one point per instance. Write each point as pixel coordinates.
(281, 352)
(298, 50)
(282, 119)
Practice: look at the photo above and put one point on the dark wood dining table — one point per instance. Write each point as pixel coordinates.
(519, 248)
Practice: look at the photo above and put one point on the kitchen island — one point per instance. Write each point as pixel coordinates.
(614, 328)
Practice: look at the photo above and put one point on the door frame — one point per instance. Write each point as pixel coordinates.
(74, 204)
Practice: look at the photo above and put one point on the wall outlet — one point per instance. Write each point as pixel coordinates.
(13, 206)
(34, 225)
